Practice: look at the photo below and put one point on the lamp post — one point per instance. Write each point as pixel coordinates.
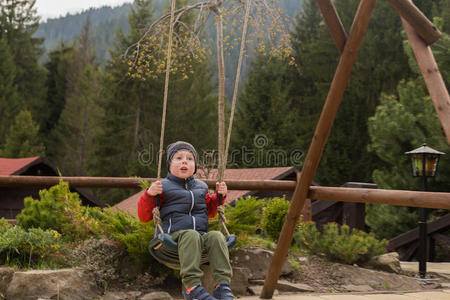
(424, 164)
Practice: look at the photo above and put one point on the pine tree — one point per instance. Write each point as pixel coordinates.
(18, 23)
(77, 123)
(22, 139)
(316, 58)
(128, 141)
(402, 122)
(133, 109)
(265, 120)
(58, 68)
(380, 64)
(125, 103)
(8, 89)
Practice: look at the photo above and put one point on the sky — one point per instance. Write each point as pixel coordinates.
(55, 8)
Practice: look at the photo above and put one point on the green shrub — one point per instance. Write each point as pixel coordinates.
(243, 218)
(127, 230)
(26, 248)
(387, 221)
(339, 243)
(60, 210)
(273, 217)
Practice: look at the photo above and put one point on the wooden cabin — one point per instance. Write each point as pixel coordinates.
(11, 198)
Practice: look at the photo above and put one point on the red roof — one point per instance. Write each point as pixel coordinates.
(130, 204)
(11, 166)
(244, 174)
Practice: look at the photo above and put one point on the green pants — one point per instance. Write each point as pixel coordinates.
(190, 246)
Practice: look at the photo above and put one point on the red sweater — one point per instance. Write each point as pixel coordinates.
(147, 203)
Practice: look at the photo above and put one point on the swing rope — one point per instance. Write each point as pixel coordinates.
(222, 220)
(238, 75)
(156, 214)
(221, 217)
(166, 86)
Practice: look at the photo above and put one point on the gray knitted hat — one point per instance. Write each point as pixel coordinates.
(177, 146)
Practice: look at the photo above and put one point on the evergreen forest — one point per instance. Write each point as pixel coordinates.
(66, 94)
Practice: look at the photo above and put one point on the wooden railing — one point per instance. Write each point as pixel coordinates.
(361, 195)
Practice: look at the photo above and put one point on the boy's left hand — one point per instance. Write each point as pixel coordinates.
(221, 188)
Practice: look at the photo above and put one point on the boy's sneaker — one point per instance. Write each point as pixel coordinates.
(199, 293)
(223, 292)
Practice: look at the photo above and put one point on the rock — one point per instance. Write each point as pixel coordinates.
(388, 262)
(357, 288)
(239, 281)
(286, 286)
(115, 296)
(101, 257)
(121, 295)
(75, 284)
(257, 261)
(127, 268)
(431, 285)
(156, 296)
(6, 275)
(376, 279)
(134, 294)
(257, 289)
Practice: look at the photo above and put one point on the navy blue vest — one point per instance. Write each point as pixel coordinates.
(184, 205)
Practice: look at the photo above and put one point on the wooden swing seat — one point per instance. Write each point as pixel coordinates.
(165, 250)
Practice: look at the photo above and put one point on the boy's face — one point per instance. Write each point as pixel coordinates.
(182, 164)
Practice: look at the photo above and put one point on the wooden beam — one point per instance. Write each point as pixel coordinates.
(307, 211)
(424, 27)
(334, 23)
(322, 204)
(379, 196)
(132, 183)
(319, 140)
(410, 252)
(332, 194)
(443, 223)
(432, 76)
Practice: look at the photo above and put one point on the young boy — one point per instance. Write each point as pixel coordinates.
(185, 206)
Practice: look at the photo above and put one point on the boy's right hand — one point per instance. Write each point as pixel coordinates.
(155, 189)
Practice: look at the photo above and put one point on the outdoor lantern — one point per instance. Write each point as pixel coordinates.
(424, 164)
(424, 158)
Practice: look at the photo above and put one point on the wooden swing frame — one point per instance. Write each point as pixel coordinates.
(421, 33)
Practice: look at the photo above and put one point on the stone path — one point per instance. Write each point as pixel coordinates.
(432, 295)
(442, 294)
(441, 268)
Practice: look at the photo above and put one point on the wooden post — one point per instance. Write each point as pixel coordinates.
(432, 76)
(424, 27)
(312, 160)
(307, 211)
(333, 22)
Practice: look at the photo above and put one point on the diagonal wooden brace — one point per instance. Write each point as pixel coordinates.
(319, 140)
(432, 76)
(424, 27)
(333, 22)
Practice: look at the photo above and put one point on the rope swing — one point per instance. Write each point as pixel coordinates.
(162, 247)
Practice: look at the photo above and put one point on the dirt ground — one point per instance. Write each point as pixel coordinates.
(325, 276)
